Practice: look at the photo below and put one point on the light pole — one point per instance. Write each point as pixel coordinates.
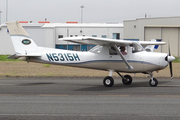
(82, 13)
(0, 17)
(6, 10)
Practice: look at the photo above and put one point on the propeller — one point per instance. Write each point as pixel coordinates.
(169, 59)
(170, 65)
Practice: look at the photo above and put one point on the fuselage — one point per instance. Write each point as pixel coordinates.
(101, 59)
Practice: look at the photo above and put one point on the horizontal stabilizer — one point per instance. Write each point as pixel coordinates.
(15, 56)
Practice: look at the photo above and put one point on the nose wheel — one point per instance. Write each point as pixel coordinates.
(153, 82)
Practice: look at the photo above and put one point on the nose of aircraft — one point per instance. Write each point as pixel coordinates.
(169, 58)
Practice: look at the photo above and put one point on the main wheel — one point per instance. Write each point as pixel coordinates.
(153, 83)
(127, 80)
(108, 81)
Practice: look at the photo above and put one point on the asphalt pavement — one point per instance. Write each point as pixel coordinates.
(88, 99)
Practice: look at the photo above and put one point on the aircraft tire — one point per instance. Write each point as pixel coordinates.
(153, 84)
(128, 80)
(108, 81)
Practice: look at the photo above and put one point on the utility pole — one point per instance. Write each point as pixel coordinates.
(0, 17)
(82, 13)
(6, 10)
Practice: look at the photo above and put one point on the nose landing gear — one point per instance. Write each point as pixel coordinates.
(153, 81)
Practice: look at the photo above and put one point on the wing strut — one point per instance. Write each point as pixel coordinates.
(127, 64)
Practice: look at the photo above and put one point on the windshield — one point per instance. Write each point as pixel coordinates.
(137, 47)
(96, 49)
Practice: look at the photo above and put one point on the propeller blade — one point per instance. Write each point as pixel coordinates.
(170, 63)
(170, 67)
(169, 50)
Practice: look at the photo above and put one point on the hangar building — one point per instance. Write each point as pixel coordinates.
(46, 34)
(165, 28)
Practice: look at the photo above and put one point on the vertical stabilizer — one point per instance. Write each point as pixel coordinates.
(22, 43)
(150, 48)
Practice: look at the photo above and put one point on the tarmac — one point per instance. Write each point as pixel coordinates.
(88, 99)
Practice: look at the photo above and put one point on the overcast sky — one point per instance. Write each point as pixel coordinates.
(95, 11)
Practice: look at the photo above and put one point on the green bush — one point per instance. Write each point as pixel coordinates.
(176, 60)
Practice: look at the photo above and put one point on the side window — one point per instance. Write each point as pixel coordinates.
(123, 50)
(112, 51)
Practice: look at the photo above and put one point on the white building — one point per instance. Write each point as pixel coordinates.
(47, 34)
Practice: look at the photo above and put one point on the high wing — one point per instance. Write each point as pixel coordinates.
(106, 41)
(97, 41)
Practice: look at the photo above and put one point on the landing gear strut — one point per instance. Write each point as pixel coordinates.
(126, 80)
(153, 81)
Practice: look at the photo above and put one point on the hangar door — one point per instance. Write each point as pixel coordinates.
(167, 34)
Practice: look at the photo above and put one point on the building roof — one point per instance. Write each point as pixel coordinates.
(53, 25)
(83, 25)
(173, 17)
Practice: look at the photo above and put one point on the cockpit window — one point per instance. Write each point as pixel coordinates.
(96, 49)
(136, 47)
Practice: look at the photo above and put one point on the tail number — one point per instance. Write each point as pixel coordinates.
(63, 56)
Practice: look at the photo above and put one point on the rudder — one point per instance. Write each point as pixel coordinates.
(22, 43)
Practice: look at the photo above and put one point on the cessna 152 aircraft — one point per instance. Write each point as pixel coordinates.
(130, 58)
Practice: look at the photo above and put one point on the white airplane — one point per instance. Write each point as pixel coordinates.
(130, 58)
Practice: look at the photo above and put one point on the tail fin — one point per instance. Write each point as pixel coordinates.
(150, 48)
(22, 43)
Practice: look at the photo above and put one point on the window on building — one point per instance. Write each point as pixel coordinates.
(94, 35)
(71, 35)
(104, 36)
(60, 36)
(89, 47)
(76, 35)
(76, 47)
(116, 35)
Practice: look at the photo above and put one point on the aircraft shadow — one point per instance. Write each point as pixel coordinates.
(35, 84)
(122, 86)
